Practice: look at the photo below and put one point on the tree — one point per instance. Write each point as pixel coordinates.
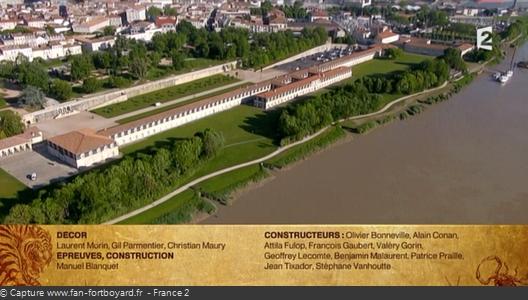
(155, 59)
(10, 124)
(90, 85)
(19, 214)
(170, 11)
(186, 153)
(81, 67)
(213, 141)
(138, 67)
(33, 97)
(178, 60)
(153, 12)
(61, 90)
(32, 73)
(109, 31)
(454, 59)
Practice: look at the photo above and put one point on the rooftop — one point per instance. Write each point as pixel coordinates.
(81, 141)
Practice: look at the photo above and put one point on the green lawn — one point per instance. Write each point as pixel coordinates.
(164, 95)
(190, 65)
(247, 136)
(169, 107)
(9, 185)
(3, 103)
(382, 66)
(247, 131)
(176, 203)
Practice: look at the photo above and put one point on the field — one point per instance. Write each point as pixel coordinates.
(3, 103)
(190, 65)
(247, 136)
(222, 187)
(383, 66)
(169, 107)
(9, 185)
(248, 133)
(179, 208)
(164, 95)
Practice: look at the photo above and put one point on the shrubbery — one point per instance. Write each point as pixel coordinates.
(133, 182)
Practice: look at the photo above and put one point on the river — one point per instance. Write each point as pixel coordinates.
(464, 161)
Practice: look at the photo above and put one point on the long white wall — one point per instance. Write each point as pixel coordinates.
(308, 88)
(130, 135)
(114, 96)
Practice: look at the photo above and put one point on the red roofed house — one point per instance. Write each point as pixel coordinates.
(387, 37)
(19, 143)
(82, 148)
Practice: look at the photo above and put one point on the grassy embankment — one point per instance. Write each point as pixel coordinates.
(248, 135)
(10, 188)
(3, 103)
(164, 95)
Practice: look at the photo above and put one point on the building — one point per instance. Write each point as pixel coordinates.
(307, 83)
(465, 48)
(82, 148)
(20, 143)
(360, 3)
(91, 26)
(8, 24)
(98, 44)
(287, 87)
(387, 37)
(140, 129)
(136, 14)
(422, 46)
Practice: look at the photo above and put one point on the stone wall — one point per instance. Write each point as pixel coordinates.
(114, 96)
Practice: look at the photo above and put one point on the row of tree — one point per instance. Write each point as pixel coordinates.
(133, 182)
(10, 124)
(301, 119)
(428, 74)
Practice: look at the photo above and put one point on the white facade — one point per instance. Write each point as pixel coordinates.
(311, 84)
(129, 133)
(135, 14)
(86, 159)
(91, 26)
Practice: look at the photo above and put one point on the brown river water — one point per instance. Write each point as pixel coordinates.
(464, 161)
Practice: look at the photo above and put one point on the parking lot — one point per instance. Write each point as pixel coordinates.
(47, 168)
(80, 120)
(315, 59)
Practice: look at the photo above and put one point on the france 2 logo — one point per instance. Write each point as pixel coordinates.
(484, 36)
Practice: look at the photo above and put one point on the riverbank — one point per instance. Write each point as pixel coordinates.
(460, 161)
(172, 196)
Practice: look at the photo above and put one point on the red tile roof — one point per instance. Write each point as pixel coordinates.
(81, 141)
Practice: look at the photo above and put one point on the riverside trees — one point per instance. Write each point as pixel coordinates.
(360, 97)
(135, 181)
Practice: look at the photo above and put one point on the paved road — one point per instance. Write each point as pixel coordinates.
(179, 100)
(259, 160)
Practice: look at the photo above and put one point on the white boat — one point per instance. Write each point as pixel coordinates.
(497, 75)
(504, 78)
(509, 74)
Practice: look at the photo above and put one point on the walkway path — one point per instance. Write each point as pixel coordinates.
(179, 100)
(259, 160)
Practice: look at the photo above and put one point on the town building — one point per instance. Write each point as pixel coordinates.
(307, 83)
(91, 26)
(20, 143)
(82, 148)
(386, 37)
(136, 14)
